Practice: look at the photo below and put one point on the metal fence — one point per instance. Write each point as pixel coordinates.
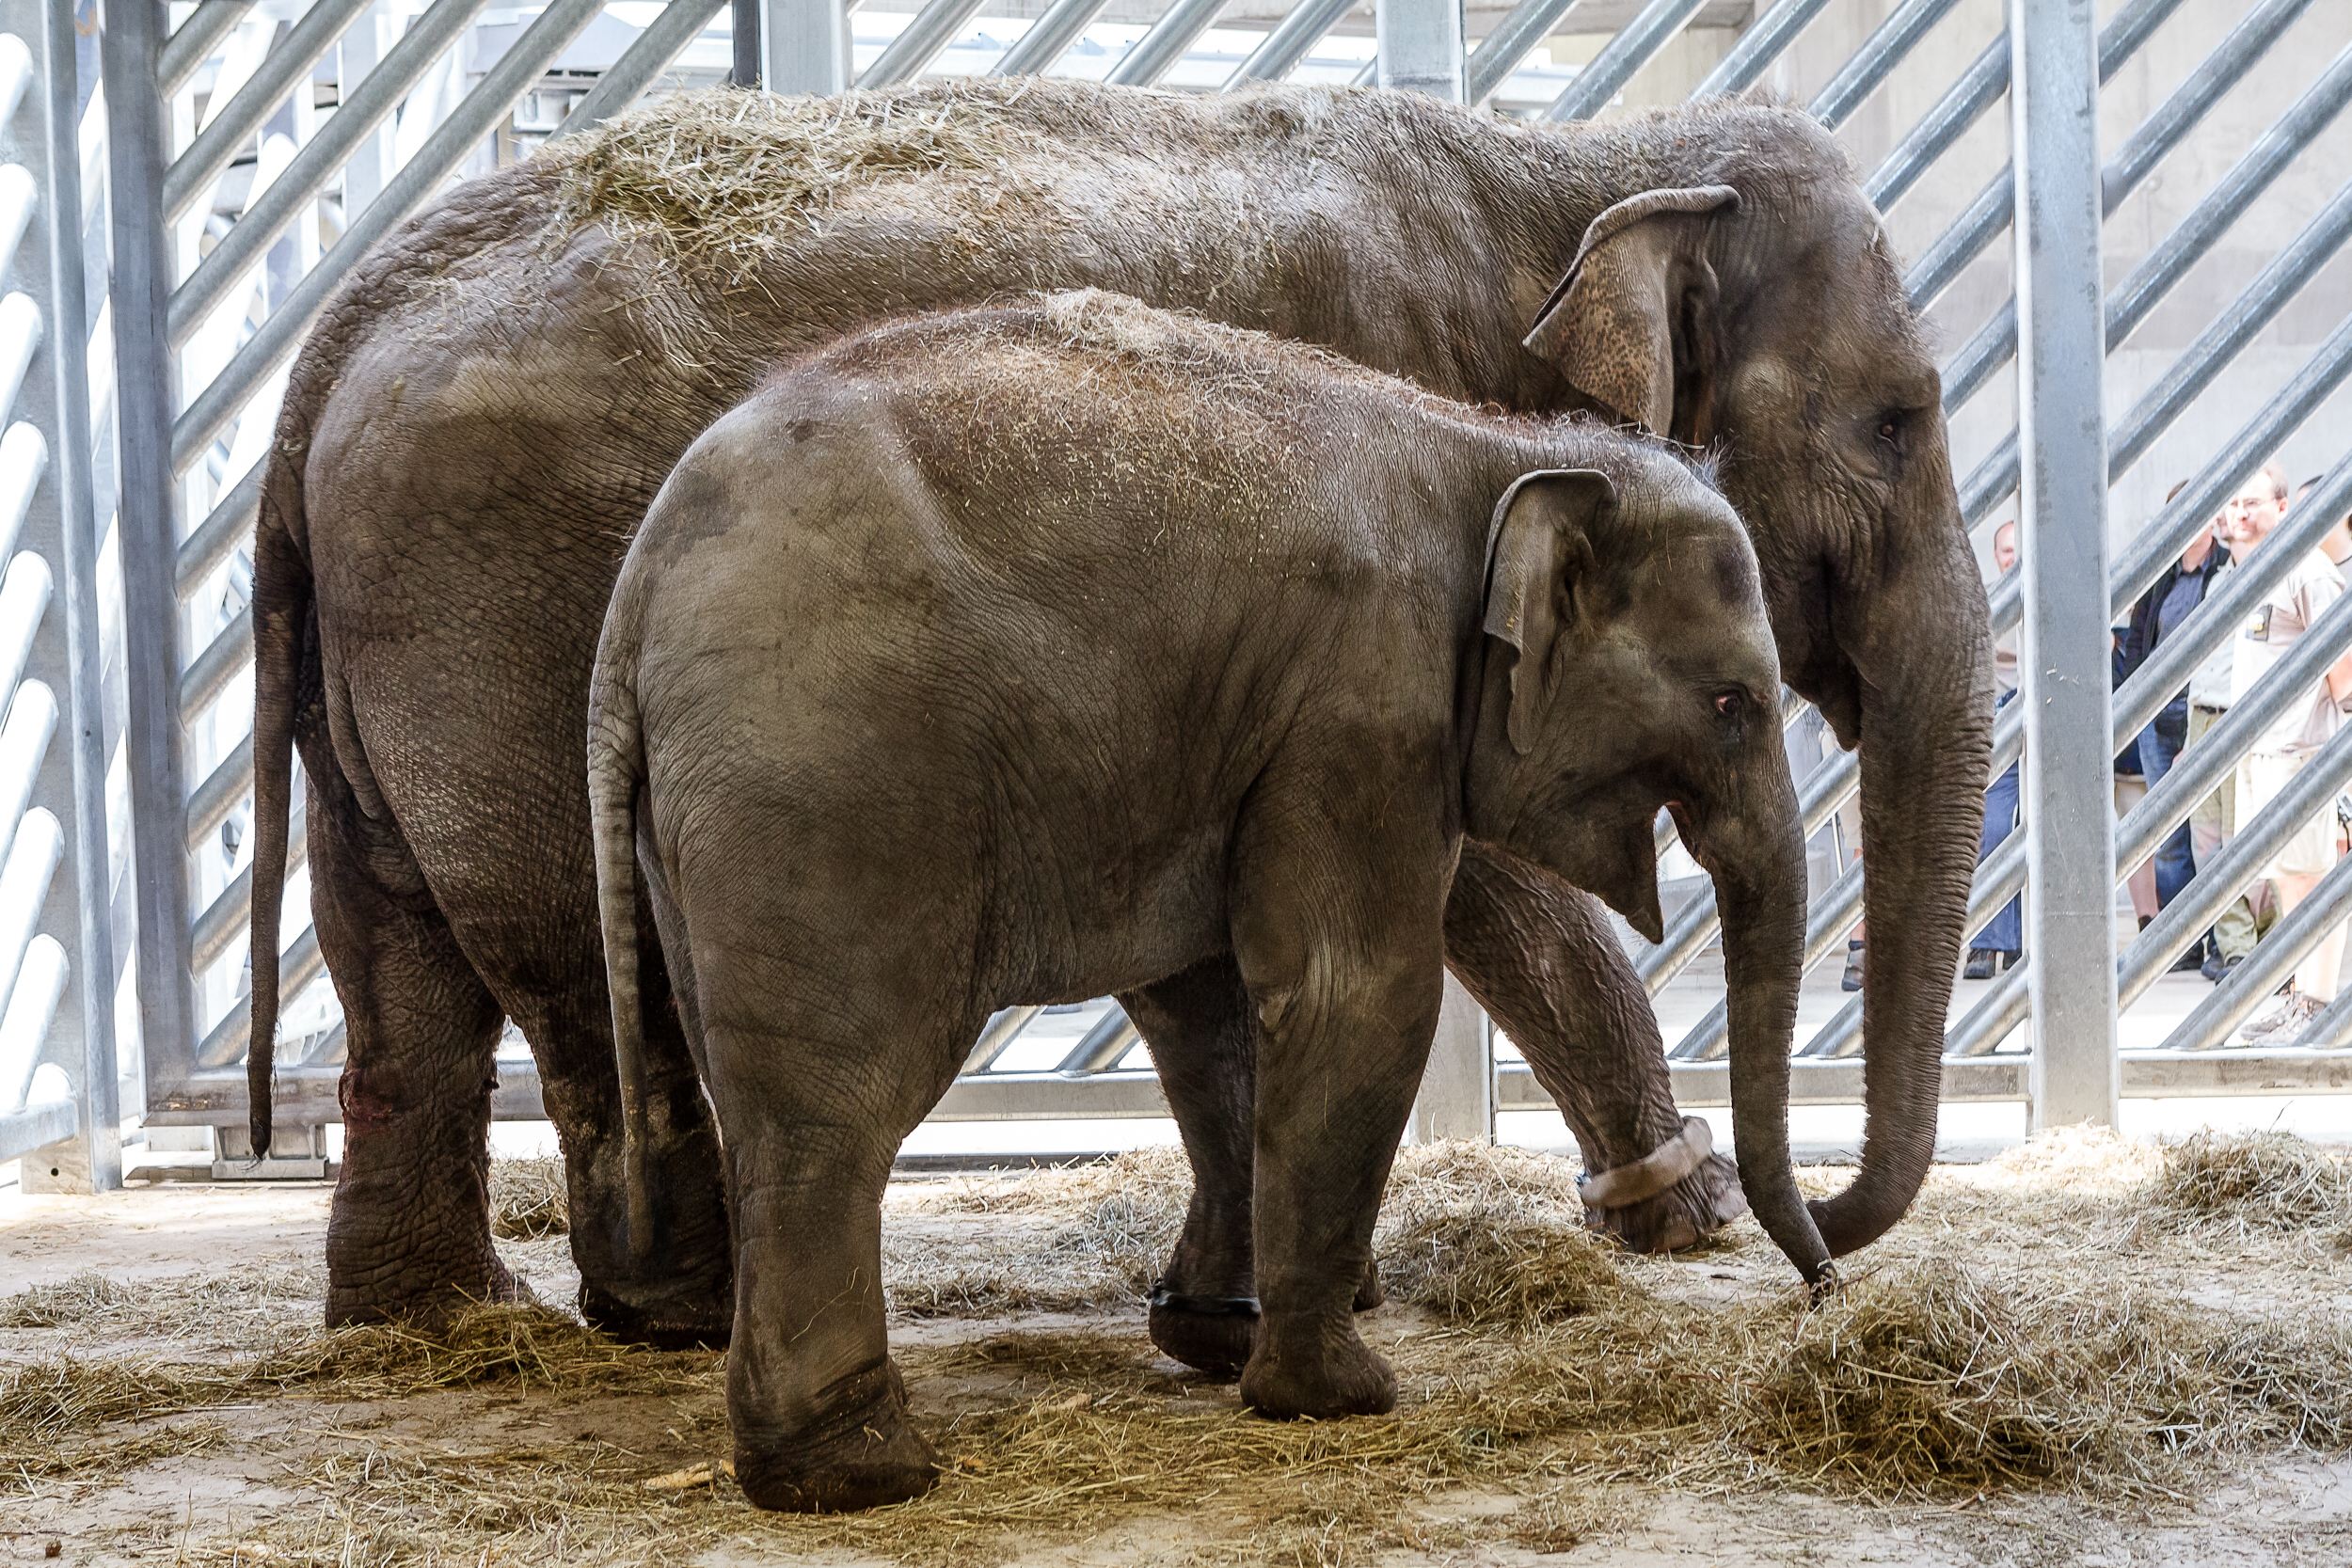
(255, 150)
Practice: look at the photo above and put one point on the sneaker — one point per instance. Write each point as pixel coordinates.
(2284, 1022)
(1981, 964)
(1851, 979)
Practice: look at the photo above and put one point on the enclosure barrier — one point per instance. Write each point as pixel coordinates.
(240, 200)
(60, 1110)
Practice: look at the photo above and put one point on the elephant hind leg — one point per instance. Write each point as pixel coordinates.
(408, 1235)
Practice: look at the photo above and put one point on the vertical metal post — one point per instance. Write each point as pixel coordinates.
(1420, 50)
(2070, 848)
(805, 45)
(144, 376)
(743, 19)
(1421, 46)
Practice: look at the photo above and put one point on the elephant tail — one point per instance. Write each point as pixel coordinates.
(615, 772)
(285, 667)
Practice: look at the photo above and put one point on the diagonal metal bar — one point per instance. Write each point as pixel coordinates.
(366, 109)
(189, 46)
(933, 29)
(1290, 38)
(224, 1045)
(1759, 47)
(2189, 240)
(1101, 1046)
(1155, 53)
(1978, 87)
(1049, 38)
(1879, 54)
(1988, 213)
(1652, 28)
(418, 177)
(996, 1037)
(663, 41)
(1996, 478)
(2333, 1029)
(209, 672)
(193, 172)
(1513, 38)
(230, 915)
(2271, 965)
(228, 525)
(228, 782)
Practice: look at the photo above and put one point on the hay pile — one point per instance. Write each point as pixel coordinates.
(2023, 1335)
(528, 1199)
(719, 179)
(2261, 1182)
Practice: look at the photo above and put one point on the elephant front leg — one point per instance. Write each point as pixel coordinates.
(1540, 957)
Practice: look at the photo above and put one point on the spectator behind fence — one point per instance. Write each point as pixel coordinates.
(1998, 945)
(2288, 742)
(2159, 615)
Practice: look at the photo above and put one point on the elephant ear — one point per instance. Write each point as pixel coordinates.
(1540, 553)
(1634, 320)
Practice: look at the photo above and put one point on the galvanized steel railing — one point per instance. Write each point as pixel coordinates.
(233, 224)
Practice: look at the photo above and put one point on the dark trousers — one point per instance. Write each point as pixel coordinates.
(2005, 931)
(2160, 746)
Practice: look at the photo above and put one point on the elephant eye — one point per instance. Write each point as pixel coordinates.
(1891, 429)
(1730, 704)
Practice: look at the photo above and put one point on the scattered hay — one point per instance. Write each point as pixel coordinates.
(1478, 1266)
(2272, 1181)
(527, 1198)
(721, 177)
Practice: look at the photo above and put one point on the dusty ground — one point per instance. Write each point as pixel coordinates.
(250, 1439)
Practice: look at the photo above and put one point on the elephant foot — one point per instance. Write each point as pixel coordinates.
(1209, 1333)
(1319, 1371)
(414, 1301)
(1668, 1200)
(863, 1456)
(667, 1321)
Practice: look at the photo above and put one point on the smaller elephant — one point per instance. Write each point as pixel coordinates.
(1030, 654)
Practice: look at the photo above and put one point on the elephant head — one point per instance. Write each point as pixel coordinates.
(1629, 666)
(1757, 312)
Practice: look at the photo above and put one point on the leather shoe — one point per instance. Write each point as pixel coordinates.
(1981, 964)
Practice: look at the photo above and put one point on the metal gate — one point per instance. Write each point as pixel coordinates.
(255, 150)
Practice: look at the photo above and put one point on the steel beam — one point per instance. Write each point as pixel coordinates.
(1635, 45)
(1515, 37)
(1759, 47)
(664, 39)
(1048, 38)
(919, 42)
(804, 47)
(1154, 54)
(1287, 42)
(2070, 908)
(1879, 54)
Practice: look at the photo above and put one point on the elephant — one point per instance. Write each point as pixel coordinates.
(886, 766)
(476, 426)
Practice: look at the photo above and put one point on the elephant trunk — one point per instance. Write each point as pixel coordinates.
(1923, 655)
(1756, 855)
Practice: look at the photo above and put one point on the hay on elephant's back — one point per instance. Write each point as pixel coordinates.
(723, 176)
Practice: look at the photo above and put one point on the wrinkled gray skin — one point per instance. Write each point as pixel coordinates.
(888, 767)
(482, 416)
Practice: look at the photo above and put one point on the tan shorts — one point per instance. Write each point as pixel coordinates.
(2311, 850)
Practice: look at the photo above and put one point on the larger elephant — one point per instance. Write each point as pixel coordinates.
(486, 410)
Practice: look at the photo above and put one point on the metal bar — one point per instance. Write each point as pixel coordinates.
(743, 65)
(297, 967)
(1635, 43)
(1879, 54)
(1513, 38)
(37, 1125)
(2333, 1029)
(229, 525)
(2188, 242)
(1990, 213)
(135, 133)
(2268, 966)
(1759, 47)
(1287, 42)
(218, 795)
(366, 109)
(2053, 120)
(663, 41)
(2231, 62)
(1152, 55)
(804, 47)
(190, 43)
(1709, 1083)
(996, 1037)
(935, 28)
(2240, 860)
(1048, 38)
(232, 124)
(208, 674)
(281, 334)
(224, 920)
(1986, 79)
(1100, 1048)
(1827, 921)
